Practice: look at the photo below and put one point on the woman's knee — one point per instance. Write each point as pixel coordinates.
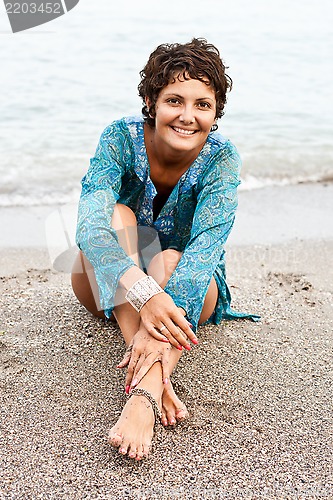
(84, 285)
(122, 217)
(163, 265)
(209, 302)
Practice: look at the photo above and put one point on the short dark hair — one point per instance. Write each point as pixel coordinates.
(196, 59)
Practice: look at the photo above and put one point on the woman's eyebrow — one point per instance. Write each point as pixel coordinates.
(182, 97)
(205, 99)
(174, 95)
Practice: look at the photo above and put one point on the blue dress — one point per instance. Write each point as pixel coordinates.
(196, 218)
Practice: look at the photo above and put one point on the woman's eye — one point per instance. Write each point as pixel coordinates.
(173, 101)
(204, 105)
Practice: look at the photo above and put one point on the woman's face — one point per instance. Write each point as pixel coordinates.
(184, 114)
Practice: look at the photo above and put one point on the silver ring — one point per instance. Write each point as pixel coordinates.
(162, 328)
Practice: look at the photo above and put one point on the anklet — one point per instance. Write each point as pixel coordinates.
(151, 399)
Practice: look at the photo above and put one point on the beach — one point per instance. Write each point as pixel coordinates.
(259, 394)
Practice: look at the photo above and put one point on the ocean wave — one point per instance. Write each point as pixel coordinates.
(251, 182)
(39, 199)
(47, 198)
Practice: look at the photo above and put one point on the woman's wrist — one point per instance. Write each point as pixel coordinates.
(142, 291)
(131, 276)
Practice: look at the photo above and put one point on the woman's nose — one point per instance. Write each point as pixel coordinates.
(186, 115)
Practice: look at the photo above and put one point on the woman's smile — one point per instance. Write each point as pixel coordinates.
(183, 131)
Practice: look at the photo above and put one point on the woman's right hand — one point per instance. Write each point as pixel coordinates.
(140, 356)
(164, 320)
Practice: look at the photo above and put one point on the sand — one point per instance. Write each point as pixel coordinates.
(259, 394)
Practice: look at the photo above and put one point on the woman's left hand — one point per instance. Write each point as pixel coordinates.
(140, 356)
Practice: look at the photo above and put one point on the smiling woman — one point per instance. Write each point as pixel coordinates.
(167, 182)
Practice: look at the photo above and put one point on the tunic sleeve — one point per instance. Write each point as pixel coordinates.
(100, 192)
(212, 222)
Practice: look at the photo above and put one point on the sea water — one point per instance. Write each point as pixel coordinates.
(63, 82)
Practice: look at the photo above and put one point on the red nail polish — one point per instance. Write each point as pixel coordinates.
(127, 389)
(179, 347)
(195, 341)
(187, 347)
(190, 324)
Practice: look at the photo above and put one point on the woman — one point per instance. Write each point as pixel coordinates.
(168, 173)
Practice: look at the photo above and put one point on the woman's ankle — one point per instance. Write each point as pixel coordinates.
(152, 382)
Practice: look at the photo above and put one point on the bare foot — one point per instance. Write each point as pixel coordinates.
(133, 432)
(173, 410)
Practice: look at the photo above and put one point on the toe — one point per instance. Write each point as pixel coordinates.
(124, 448)
(146, 450)
(132, 452)
(164, 419)
(171, 418)
(181, 413)
(139, 453)
(115, 439)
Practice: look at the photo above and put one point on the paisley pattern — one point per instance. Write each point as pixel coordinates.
(196, 219)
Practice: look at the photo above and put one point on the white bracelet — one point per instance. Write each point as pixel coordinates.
(142, 291)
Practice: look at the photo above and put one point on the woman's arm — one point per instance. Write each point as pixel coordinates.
(159, 311)
(100, 192)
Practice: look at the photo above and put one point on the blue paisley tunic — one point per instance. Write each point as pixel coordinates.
(196, 218)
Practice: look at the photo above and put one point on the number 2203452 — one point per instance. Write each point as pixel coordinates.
(33, 8)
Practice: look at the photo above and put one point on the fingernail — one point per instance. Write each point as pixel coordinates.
(134, 382)
(195, 341)
(190, 324)
(165, 381)
(179, 347)
(127, 389)
(187, 347)
(165, 340)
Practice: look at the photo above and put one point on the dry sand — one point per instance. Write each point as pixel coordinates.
(259, 394)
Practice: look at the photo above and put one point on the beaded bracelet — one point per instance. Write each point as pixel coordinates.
(142, 290)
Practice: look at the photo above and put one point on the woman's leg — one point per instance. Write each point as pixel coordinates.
(135, 440)
(161, 268)
(134, 429)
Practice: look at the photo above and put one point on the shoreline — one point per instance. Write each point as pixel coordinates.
(259, 394)
(301, 211)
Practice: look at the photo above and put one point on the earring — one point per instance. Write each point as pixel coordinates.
(214, 127)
